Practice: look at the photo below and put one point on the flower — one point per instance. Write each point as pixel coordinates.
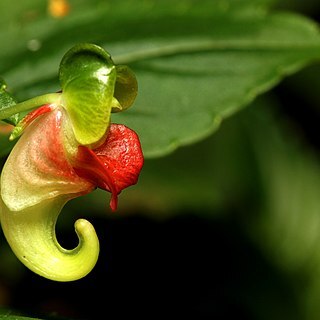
(48, 162)
(60, 156)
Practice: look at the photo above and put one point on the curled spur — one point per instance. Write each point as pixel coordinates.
(67, 147)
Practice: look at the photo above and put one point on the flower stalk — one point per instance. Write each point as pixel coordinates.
(49, 98)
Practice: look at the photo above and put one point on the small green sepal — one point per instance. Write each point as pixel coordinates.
(7, 101)
(126, 89)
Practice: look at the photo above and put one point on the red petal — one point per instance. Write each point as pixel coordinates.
(113, 166)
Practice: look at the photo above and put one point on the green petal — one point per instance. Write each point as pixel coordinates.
(31, 235)
(87, 75)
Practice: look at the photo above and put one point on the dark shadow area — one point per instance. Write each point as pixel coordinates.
(185, 266)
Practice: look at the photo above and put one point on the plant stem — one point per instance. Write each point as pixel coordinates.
(30, 104)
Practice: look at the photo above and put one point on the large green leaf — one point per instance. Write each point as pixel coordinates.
(196, 62)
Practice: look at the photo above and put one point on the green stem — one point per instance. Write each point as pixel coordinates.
(30, 104)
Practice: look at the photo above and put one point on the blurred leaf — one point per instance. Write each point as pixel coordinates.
(287, 223)
(290, 177)
(195, 63)
(10, 315)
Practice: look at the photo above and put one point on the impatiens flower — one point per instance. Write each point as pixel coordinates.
(68, 148)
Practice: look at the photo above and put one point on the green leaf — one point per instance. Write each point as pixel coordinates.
(6, 101)
(196, 62)
(201, 82)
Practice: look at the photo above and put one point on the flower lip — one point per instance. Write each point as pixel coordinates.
(113, 166)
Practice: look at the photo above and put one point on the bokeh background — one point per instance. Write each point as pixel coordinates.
(228, 227)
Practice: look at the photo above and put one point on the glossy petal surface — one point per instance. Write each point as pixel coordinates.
(115, 165)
